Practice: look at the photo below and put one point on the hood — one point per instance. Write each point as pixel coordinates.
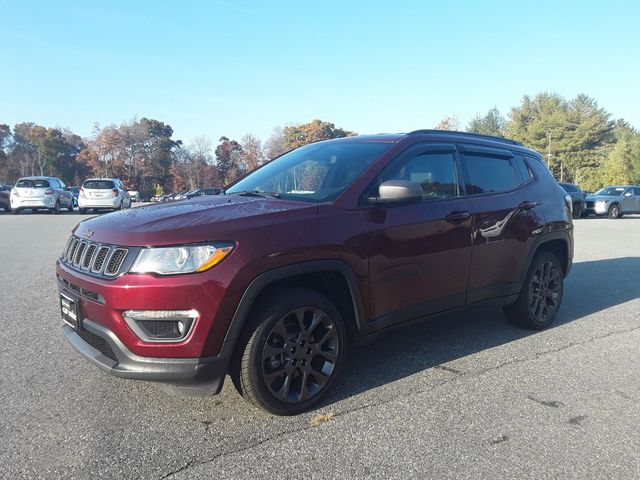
(597, 198)
(202, 219)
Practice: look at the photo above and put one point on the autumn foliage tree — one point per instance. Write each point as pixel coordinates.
(298, 135)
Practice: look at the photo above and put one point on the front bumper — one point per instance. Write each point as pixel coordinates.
(601, 207)
(102, 347)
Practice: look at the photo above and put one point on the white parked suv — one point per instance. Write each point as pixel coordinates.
(36, 193)
(103, 193)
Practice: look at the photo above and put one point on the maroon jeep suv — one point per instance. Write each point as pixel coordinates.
(329, 244)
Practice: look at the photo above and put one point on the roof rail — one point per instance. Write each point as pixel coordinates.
(466, 134)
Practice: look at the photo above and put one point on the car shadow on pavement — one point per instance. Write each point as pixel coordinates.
(591, 287)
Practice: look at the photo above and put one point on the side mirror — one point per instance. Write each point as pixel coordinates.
(628, 194)
(399, 191)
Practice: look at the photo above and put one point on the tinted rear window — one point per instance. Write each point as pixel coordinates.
(98, 184)
(32, 184)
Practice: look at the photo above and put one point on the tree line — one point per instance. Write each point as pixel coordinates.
(579, 140)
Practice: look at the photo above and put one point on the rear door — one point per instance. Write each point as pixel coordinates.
(506, 219)
(628, 201)
(636, 195)
(419, 254)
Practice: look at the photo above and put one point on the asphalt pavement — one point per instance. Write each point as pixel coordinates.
(466, 396)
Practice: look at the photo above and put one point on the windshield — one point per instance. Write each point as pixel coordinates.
(98, 184)
(32, 184)
(611, 191)
(318, 172)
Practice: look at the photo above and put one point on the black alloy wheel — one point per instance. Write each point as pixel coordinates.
(541, 294)
(545, 291)
(300, 355)
(291, 351)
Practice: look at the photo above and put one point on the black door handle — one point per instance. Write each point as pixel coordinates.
(527, 205)
(457, 217)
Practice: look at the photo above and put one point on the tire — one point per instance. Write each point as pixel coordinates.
(614, 211)
(56, 209)
(15, 211)
(281, 365)
(541, 294)
(577, 210)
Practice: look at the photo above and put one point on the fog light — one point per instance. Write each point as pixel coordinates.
(161, 325)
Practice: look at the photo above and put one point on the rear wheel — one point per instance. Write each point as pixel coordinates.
(614, 211)
(291, 353)
(15, 211)
(577, 210)
(56, 208)
(541, 294)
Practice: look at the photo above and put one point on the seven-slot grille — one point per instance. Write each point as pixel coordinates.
(96, 258)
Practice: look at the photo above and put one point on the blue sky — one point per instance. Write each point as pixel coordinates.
(231, 67)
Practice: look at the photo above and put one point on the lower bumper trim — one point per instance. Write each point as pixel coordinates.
(192, 374)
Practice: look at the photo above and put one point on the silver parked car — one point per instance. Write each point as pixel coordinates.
(614, 201)
(103, 193)
(37, 193)
(135, 195)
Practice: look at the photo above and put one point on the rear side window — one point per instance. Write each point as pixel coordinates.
(490, 174)
(32, 184)
(98, 184)
(636, 191)
(435, 172)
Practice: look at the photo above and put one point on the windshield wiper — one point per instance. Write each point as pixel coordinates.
(256, 193)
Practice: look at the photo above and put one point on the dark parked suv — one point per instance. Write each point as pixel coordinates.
(332, 243)
(578, 199)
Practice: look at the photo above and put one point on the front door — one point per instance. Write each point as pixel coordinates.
(419, 254)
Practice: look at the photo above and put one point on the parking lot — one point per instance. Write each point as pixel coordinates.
(466, 396)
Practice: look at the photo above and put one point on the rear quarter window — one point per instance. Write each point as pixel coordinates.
(98, 184)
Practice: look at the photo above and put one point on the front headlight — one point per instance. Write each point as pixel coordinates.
(182, 259)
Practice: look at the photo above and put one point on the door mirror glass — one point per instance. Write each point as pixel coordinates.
(628, 194)
(399, 191)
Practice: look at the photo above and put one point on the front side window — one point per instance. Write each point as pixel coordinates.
(318, 172)
(489, 174)
(435, 172)
(611, 191)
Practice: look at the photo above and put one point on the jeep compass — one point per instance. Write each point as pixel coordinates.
(328, 245)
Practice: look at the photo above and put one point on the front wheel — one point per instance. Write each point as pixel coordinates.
(541, 294)
(291, 353)
(614, 211)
